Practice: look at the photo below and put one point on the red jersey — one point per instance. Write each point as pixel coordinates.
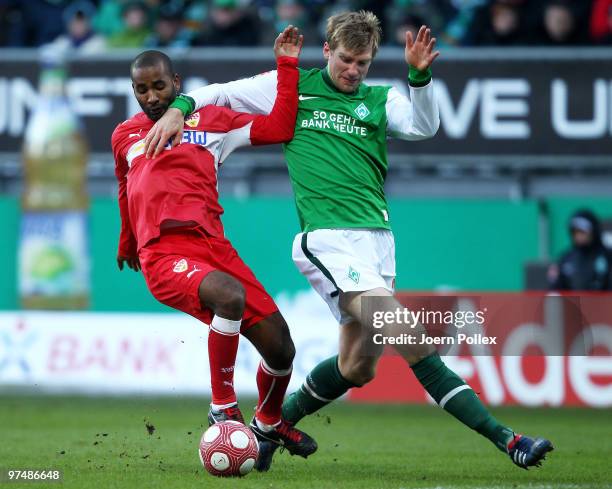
(181, 183)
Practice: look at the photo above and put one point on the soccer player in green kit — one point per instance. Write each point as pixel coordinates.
(337, 164)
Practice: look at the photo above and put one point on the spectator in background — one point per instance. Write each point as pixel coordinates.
(10, 23)
(457, 27)
(169, 31)
(501, 23)
(434, 13)
(601, 21)
(79, 33)
(563, 22)
(451, 18)
(36, 22)
(291, 12)
(107, 20)
(229, 24)
(135, 15)
(408, 22)
(194, 13)
(588, 264)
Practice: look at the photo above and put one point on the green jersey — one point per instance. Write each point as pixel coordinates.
(338, 156)
(337, 159)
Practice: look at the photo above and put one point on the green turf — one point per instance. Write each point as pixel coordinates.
(103, 443)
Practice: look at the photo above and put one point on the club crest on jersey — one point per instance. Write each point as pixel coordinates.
(180, 266)
(193, 120)
(362, 111)
(353, 275)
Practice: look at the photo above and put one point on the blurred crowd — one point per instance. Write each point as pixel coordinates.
(98, 25)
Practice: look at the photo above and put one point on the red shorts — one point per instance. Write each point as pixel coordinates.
(175, 264)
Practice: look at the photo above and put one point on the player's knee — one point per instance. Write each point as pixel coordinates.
(281, 351)
(284, 357)
(232, 300)
(225, 296)
(360, 372)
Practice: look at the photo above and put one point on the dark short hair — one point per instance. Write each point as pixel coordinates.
(152, 58)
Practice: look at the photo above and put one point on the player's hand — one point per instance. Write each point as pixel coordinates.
(169, 126)
(288, 43)
(132, 262)
(420, 51)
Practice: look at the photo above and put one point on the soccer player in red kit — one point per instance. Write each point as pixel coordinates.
(171, 229)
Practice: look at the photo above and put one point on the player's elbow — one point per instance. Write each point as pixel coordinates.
(430, 128)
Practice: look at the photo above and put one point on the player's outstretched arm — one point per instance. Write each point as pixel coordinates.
(279, 125)
(418, 117)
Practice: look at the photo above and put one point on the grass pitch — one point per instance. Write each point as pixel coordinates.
(104, 443)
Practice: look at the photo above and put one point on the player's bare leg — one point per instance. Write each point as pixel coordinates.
(354, 366)
(225, 296)
(351, 302)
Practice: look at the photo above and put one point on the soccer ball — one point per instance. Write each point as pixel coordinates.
(228, 449)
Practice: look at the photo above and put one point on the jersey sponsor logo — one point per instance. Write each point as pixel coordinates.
(190, 137)
(305, 97)
(194, 137)
(340, 123)
(362, 111)
(353, 274)
(180, 266)
(193, 120)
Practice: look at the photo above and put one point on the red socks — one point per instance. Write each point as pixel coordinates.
(223, 339)
(272, 386)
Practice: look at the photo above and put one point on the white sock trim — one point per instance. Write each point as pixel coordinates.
(225, 326)
(274, 372)
(265, 427)
(452, 393)
(219, 407)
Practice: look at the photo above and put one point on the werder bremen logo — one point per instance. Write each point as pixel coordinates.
(362, 111)
(353, 274)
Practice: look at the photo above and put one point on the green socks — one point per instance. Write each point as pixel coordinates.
(455, 396)
(324, 384)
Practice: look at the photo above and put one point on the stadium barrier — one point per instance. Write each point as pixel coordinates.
(142, 354)
(518, 105)
(110, 353)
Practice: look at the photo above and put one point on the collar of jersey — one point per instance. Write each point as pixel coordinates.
(327, 79)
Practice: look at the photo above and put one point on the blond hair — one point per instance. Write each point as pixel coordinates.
(356, 31)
